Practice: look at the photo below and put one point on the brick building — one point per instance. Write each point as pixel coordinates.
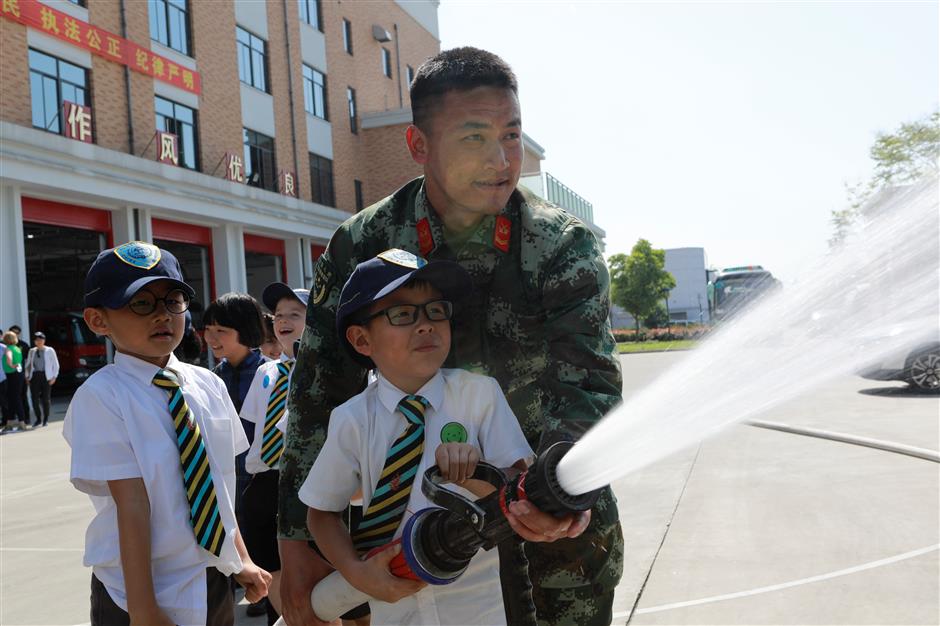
(237, 134)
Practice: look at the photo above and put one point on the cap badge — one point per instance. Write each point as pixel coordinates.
(139, 254)
(402, 258)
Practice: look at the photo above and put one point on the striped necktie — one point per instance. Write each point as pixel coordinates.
(388, 502)
(272, 442)
(197, 477)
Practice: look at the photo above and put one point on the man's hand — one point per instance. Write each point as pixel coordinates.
(301, 569)
(255, 581)
(533, 525)
(51, 382)
(372, 577)
(457, 461)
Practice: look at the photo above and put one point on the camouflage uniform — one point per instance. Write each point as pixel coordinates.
(537, 322)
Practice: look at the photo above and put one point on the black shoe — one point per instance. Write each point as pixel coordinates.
(257, 609)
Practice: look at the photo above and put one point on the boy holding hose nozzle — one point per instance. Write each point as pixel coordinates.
(394, 314)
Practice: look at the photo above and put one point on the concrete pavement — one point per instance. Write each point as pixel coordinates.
(750, 527)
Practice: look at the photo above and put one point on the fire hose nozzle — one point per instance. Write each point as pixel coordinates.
(438, 543)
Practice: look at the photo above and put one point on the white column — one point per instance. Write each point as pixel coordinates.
(294, 259)
(131, 224)
(14, 307)
(307, 262)
(228, 256)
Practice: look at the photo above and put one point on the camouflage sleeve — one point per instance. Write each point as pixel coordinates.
(324, 377)
(583, 381)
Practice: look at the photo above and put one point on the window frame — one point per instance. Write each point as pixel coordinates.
(250, 144)
(321, 193)
(357, 189)
(352, 110)
(166, 9)
(304, 12)
(409, 75)
(310, 88)
(254, 67)
(386, 62)
(181, 137)
(347, 37)
(60, 99)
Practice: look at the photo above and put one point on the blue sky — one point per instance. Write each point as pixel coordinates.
(730, 126)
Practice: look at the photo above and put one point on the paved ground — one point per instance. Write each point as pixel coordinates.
(751, 527)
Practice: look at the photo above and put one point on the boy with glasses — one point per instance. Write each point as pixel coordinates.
(153, 444)
(394, 316)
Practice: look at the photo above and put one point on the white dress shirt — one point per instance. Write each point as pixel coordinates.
(362, 430)
(119, 426)
(255, 409)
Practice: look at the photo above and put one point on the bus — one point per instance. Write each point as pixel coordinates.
(734, 288)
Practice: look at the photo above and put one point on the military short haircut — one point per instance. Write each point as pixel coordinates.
(458, 69)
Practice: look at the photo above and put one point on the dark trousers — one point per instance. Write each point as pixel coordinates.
(14, 398)
(221, 602)
(41, 391)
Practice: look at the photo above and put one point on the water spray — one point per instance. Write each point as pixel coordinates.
(438, 543)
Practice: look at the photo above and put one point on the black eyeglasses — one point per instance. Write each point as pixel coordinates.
(407, 314)
(144, 302)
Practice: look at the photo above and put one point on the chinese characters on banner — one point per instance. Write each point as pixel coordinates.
(101, 42)
(287, 183)
(167, 148)
(77, 119)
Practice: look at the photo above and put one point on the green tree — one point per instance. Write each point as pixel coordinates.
(639, 282)
(901, 158)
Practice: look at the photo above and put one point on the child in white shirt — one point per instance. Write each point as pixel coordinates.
(153, 444)
(264, 407)
(394, 314)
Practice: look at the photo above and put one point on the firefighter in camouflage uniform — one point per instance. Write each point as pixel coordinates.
(537, 321)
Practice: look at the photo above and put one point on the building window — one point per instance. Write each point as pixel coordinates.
(54, 81)
(80, 3)
(314, 92)
(169, 23)
(409, 74)
(386, 62)
(358, 185)
(351, 102)
(260, 167)
(252, 59)
(181, 121)
(310, 13)
(347, 36)
(321, 179)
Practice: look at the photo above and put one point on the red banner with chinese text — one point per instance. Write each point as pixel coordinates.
(101, 42)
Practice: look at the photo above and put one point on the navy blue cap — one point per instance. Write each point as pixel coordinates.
(376, 278)
(275, 292)
(118, 273)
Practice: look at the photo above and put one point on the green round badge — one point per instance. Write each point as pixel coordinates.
(453, 433)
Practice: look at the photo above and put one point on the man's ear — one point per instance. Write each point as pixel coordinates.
(417, 144)
(358, 338)
(96, 319)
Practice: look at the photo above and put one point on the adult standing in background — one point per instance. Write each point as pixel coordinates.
(42, 369)
(13, 368)
(4, 410)
(24, 349)
(537, 321)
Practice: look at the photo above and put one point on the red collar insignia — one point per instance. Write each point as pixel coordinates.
(425, 239)
(501, 233)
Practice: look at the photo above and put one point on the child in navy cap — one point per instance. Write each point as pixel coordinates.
(153, 444)
(265, 410)
(394, 314)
